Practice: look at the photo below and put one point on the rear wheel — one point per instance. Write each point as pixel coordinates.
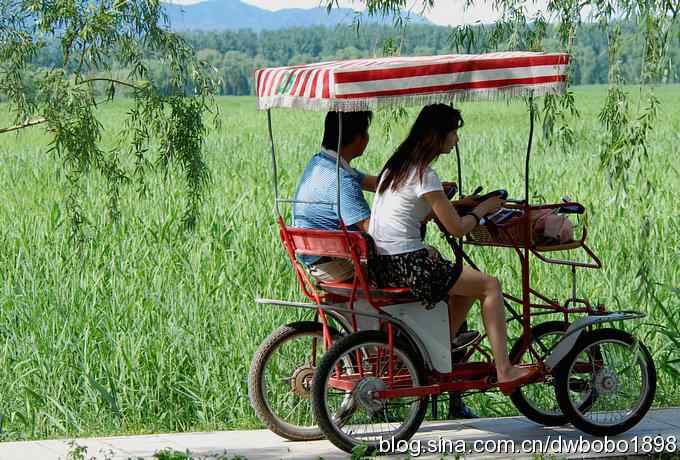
(352, 417)
(621, 374)
(280, 379)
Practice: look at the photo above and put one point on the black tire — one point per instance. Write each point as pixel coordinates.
(522, 397)
(346, 344)
(595, 341)
(257, 386)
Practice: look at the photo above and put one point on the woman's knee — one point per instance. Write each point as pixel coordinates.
(475, 285)
(492, 287)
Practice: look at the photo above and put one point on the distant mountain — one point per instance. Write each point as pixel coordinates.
(233, 14)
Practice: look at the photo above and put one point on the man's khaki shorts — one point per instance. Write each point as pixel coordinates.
(334, 270)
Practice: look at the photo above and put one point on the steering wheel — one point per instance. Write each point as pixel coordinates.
(462, 210)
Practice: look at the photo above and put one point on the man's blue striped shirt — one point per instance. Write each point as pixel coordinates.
(318, 183)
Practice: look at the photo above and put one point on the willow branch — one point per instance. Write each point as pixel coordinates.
(26, 124)
(40, 120)
(69, 43)
(112, 80)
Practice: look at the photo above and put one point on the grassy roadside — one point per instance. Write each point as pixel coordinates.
(149, 329)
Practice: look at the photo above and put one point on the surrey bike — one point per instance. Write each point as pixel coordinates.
(392, 355)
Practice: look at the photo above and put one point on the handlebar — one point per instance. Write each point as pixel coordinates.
(567, 207)
(571, 208)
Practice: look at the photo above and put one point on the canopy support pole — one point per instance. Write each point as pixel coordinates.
(274, 171)
(531, 136)
(337, 170)
(460, 173)
(526, 289)
(460, 186)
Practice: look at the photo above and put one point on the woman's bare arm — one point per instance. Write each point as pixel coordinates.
(447, 215)
(370, 183)
(468, 201)
(451, 220)
(363, 225)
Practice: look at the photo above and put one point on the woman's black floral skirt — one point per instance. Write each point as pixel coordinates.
(425, 272)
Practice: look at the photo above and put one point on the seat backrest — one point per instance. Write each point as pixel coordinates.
(350, 245)
(329, 243)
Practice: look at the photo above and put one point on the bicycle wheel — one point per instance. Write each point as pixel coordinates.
(621, 374)
(537, 401)
(280, 378)
(363, 359)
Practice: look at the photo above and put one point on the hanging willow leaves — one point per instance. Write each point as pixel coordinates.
(391, 117)
(627, 125)
(165, 125)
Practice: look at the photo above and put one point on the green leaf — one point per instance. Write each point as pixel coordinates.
(107, 395)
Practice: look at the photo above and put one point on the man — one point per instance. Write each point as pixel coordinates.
(319, 183)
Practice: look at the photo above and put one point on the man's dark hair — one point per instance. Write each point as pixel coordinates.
(353, 124)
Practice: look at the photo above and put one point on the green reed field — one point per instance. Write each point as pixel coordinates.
(147, 328)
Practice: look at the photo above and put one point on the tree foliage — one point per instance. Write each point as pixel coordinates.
(235, 55)
(59, 60)
(165, 125)
(627, 124)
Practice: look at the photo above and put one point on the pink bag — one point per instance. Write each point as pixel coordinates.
(551, 228)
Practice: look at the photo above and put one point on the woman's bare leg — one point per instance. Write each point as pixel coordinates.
(458, 309)
(479, 285)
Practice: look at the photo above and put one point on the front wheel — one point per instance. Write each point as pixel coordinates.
(618, 370)
(342, 392)
(537, 401)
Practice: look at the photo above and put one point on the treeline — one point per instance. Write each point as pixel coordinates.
(236, 54)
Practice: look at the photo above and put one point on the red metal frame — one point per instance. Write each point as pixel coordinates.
(524, 249)
(353, 246)
(464, 376)
(344, 244)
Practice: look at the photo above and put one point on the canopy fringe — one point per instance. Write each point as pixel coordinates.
(355, 105)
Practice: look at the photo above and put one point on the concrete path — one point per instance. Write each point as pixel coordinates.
(482, 438)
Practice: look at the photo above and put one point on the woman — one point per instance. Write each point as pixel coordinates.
(408, 191)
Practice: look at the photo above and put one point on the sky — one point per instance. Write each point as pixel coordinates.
(445, 12)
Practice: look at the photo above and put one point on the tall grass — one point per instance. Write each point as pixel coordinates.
(147, 328)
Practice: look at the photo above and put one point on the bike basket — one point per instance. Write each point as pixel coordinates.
(508, 233)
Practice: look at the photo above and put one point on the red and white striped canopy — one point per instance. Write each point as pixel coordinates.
(369, 84)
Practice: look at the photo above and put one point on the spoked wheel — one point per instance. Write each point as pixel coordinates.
(537, 401)
(621, 374)
(280, 379)
(342, 392)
